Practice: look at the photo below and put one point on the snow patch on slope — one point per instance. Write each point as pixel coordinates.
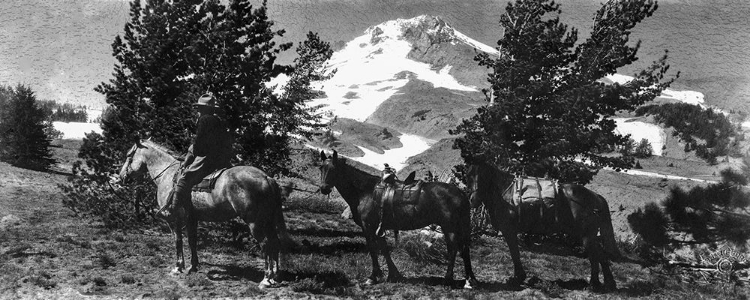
(690, 97)
(76, 130)
(476, 44)
(641, 130)
(412, 145)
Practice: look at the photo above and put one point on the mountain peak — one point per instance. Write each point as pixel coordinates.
(420, 28)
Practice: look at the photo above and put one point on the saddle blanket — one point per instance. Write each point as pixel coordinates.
(532, 189)
(208, 182)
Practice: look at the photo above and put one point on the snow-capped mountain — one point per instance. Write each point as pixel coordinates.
(401, 85)
(408, 79)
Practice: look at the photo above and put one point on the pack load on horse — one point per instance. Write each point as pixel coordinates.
(411, 207)
(229, 192)
(567, 208)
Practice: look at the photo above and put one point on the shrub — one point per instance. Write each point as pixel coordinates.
(105, 260)
(424, 249)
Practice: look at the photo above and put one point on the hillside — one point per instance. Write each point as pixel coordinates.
(49, 252)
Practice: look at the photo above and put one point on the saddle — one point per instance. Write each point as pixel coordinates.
(391, 193)
(209, 182)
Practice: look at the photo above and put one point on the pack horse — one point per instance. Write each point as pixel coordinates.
(241, 191)
(573, 209)
(434, 203)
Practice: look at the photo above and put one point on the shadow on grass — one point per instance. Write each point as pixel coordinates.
(316, 232)
(437, 281)
(233, 272)
(331, 283)
(338, 247)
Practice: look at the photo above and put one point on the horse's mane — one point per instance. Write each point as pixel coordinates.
(364, 171)
(161, 148)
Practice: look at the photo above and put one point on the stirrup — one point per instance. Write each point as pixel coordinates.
(380, 232)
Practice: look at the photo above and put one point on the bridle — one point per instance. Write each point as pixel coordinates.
(129, 161)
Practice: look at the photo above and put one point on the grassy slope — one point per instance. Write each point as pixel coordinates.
(51, 253)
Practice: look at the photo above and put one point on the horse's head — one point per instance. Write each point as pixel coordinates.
(472, 183)
(328, 172)
(134, 163)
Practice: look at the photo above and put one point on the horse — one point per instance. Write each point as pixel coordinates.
(240, 191)
(438, 203)
(578, 212)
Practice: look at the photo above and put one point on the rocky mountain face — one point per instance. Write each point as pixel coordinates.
(410, 78)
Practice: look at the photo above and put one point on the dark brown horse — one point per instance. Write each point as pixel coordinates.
(438, 203)
(242, 191)
(577, 212)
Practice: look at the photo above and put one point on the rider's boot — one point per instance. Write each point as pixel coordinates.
(181, 196)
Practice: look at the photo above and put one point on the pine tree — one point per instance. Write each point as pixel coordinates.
(551, 110)
(643, 149)
(171, 52)
(23, 127)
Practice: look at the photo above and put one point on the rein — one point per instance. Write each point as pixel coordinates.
(171, 192)
(165, 170)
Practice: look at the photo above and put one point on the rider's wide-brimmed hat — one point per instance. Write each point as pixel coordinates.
(206, 100)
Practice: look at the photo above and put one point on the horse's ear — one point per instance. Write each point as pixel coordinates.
(323, 156)
(335, 155)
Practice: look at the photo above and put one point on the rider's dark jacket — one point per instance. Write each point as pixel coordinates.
(211, 149)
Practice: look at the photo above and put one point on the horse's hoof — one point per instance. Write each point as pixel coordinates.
(610, 287)
(370, 282)
(596, 286)
(470, 284)
(176, 271)
(193, 270)
(268, 283)
(395, 278)
(449, 282)
(515, 281)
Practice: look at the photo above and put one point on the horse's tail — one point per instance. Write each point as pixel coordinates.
(608, 232)
(278, 214)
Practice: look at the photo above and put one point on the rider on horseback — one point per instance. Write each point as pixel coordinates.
(211, 150)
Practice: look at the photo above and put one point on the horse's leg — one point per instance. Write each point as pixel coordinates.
(511, 238)
(393, 274)
(464, 245)
(176, 228)
(272, 252)
(603, 258)
(609, 279)
(192, 233)
(450, 242)
(372, 247)
(589, 243)
(259, 236)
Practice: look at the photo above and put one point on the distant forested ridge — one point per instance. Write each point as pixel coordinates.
(64, 112)
(710, 134)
